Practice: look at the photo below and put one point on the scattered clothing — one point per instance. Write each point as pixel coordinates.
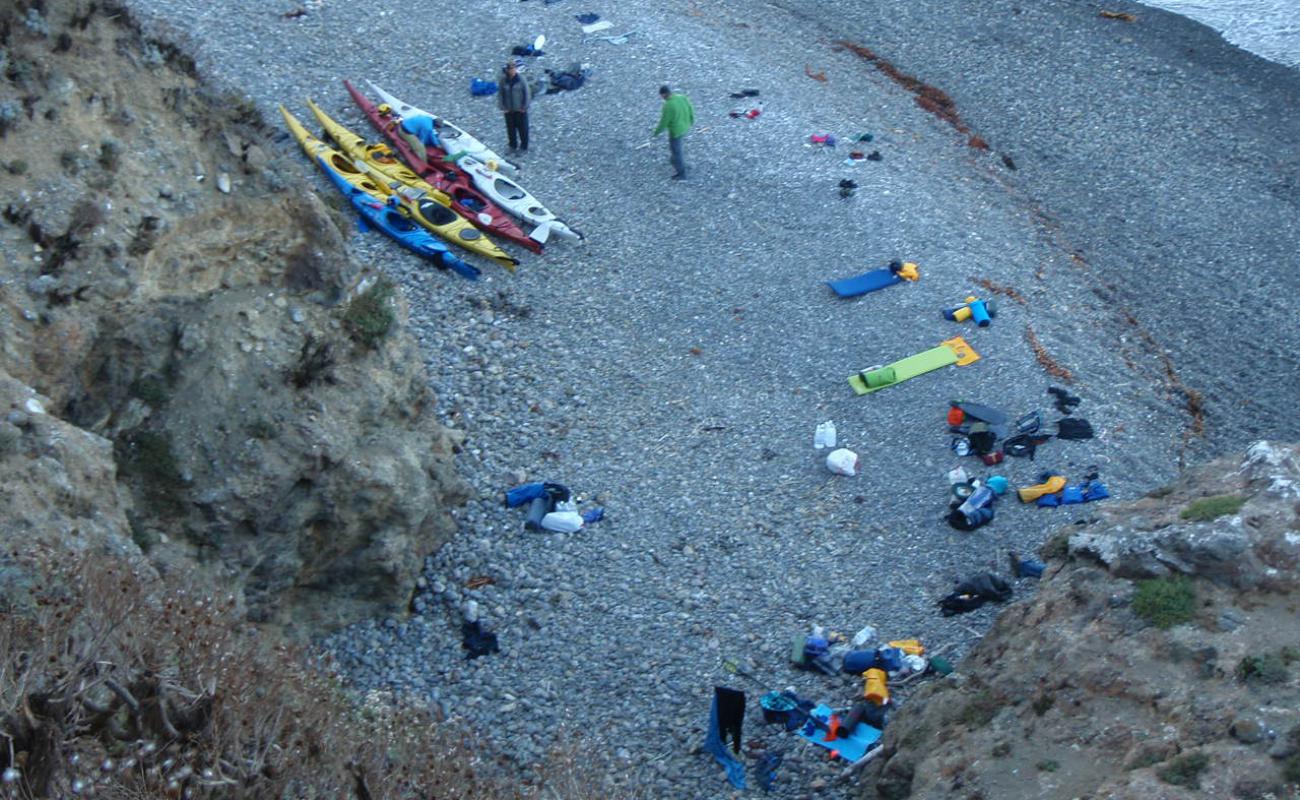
(766, 768)
(1025, 567)
(572, 78)
(731, 715)
(1024, 445)
(1073, 428)
(713, 744)
(1065, 402)
(478, 641)
(974, 592)
(481, 88)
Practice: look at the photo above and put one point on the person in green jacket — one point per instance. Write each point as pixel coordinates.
(677, 118)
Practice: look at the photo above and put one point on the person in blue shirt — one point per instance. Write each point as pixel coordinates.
(420, 131)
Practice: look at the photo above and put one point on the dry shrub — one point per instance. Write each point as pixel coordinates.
(113, 684)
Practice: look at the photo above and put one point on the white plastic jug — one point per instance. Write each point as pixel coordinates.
(825, 435)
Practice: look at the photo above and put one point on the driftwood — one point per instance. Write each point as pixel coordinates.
(860, 763)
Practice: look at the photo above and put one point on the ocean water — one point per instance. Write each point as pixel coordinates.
(1267, 28)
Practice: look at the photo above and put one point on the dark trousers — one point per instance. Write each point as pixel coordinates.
(517, 129)
(675, 151)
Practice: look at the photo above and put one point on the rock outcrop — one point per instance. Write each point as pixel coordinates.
(253, 415)
(1161, 655)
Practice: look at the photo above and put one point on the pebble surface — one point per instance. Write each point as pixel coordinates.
(672, 370)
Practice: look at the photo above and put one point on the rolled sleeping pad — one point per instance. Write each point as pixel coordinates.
(877, 378)
(523, 493)
(537, 509)
(859, 661)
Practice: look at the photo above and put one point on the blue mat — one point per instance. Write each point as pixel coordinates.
(866, 282)
(851, 747)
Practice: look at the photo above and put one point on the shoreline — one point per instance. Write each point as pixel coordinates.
(1266, 44)
(1129, 139)
(673, 369)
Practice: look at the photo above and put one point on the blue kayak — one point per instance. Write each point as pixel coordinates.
(382, 216)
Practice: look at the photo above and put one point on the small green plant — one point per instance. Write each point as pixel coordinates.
(1001, 749)
(70, 161)
(1048, 765)
(1160, 491)
(315, 364)
(144, 538)
(263, 428)
(147, 457)
(1208, 508)
(370, 315)
(1165, 602)
(151, 389)
(110, 155)
(1042, 703)
(1291, 769)
(1057, 547)
(1185, 770)
(1267, 667)
(17, 167)
(980, 710)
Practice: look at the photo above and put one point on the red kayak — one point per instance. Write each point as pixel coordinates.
(466, 199)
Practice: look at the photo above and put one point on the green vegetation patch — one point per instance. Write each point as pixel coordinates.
(1267, 667)
(263, 428)
(1291, 769)
(147, 457)
(370, 315)
(980, 710)
(1048, 765)
(151, 389)
(1208, 508)
(1165, 602)
(1185, 770)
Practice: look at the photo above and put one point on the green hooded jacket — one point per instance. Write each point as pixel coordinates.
(678, 116)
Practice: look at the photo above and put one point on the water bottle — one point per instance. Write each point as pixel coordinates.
(825, 435)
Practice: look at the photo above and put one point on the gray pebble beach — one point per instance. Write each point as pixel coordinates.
(673, 368)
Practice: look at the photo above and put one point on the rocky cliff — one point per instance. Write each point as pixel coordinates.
(1159, 659)
(220, 384)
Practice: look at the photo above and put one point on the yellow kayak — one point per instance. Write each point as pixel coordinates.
(425, 204)
(377, 206)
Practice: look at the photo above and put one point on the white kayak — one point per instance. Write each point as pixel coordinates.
(498, 188)
(456, 139)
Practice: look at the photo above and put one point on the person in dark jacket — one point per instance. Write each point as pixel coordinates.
(513, 98)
